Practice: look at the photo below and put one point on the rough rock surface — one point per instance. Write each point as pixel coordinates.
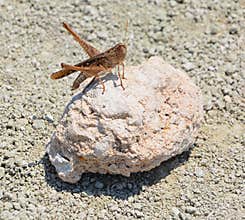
(123, 131)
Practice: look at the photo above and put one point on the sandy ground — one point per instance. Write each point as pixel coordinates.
(204, 38)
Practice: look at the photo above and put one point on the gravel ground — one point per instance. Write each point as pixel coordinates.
(202, 37)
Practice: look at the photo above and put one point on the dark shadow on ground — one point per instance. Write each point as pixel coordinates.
(116, 186)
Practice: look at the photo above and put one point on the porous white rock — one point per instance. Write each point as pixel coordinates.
(123, 131)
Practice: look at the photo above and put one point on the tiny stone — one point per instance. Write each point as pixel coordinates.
(208, 106)
(199, 172)
(21, 163)
(190, 209)
(113, 208)
(229, 69)
(31, 207)
(130, 186)
(8, 205)
(213, 30)
(225, 91)
(220, 103)
(138, 213)
(175, 211)
(138, 206)
(38, 124)
(102, 35)
(49, 118)
(211, 68)
(172, 3)
(227, 99)
(145, 50)
(6, 215)
(10, 124)
(17, 206)
(9, 88)
(99, 185)
(188, 66)
(2, 172)
(23, 216)
(233, 30)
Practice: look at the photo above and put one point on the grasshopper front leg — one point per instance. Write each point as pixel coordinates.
(123, 71)
(102, 83)
(119, 75)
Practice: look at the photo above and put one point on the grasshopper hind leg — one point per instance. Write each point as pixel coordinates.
(81, 77)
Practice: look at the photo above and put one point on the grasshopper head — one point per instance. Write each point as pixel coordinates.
(121, 51)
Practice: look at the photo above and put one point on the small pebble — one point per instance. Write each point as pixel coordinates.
(229, 69)
(2, 172)
(199, 172)
(38, 124)
(49, 118)
(233, 30)
(227, 99)
(189, 66)
(99, 185)
(6, 215)
(190, 209)
(175, 211)
(213, 30)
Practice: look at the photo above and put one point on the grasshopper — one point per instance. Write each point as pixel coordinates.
(98, 64)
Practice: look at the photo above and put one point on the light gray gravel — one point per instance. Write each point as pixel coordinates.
(205, 38)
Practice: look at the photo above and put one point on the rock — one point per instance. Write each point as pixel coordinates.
(123, 131)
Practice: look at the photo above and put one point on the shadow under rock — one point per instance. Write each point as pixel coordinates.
(115, 186)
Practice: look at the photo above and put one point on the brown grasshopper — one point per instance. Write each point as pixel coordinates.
(97, 65)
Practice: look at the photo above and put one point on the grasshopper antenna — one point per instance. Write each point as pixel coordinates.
(125, 38)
